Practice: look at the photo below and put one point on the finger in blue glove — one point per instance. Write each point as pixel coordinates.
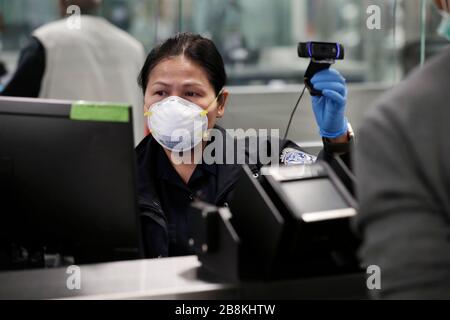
(329, 109)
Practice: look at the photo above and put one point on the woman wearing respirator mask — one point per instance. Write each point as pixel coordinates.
(183, 82)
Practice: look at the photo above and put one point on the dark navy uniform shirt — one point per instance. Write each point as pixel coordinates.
(175, 196)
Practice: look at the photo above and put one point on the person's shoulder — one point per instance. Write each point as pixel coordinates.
(127, 40)
(50, 27)
(430, 81)
(422, 96)
(130, 41)
(143, 146)
(144, 149)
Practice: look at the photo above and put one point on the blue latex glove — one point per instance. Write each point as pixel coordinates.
(329, 108)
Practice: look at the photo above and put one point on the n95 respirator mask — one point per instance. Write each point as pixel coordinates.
(177, 124)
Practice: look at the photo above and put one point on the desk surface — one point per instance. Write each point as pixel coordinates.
(173, 278)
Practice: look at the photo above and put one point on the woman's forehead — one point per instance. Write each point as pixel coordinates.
(178, 69)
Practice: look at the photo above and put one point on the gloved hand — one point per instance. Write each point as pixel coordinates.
(329, 109)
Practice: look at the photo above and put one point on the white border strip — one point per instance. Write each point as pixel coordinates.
(328, 215)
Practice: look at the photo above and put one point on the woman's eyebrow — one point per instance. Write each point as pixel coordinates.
(160, 83)
(192, 83)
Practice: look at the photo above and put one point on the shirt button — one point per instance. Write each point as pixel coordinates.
(191, 197)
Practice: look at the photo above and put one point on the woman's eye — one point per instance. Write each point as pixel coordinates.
(160, 93)
(192, 94)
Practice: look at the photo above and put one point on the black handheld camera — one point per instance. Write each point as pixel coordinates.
(322, 55)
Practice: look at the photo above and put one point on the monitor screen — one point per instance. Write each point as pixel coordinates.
(69, 184)
(313, 195)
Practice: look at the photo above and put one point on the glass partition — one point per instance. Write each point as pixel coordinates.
(258, 38)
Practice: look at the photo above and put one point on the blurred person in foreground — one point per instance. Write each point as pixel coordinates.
(403, 169)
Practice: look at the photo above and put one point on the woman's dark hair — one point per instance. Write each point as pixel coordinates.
(194, 47)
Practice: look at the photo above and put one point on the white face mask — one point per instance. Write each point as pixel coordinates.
(177, 124)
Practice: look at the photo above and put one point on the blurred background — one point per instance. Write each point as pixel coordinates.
(258, 39)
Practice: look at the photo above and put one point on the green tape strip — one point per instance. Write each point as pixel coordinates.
(107, 112)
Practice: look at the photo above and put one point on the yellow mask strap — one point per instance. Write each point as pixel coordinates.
(210, 107)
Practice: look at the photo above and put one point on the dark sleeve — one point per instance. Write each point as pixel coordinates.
(339, 157)
(402, 225)
(154, 235)
(26, 81)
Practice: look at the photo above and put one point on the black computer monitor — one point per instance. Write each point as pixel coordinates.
(67, 182)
